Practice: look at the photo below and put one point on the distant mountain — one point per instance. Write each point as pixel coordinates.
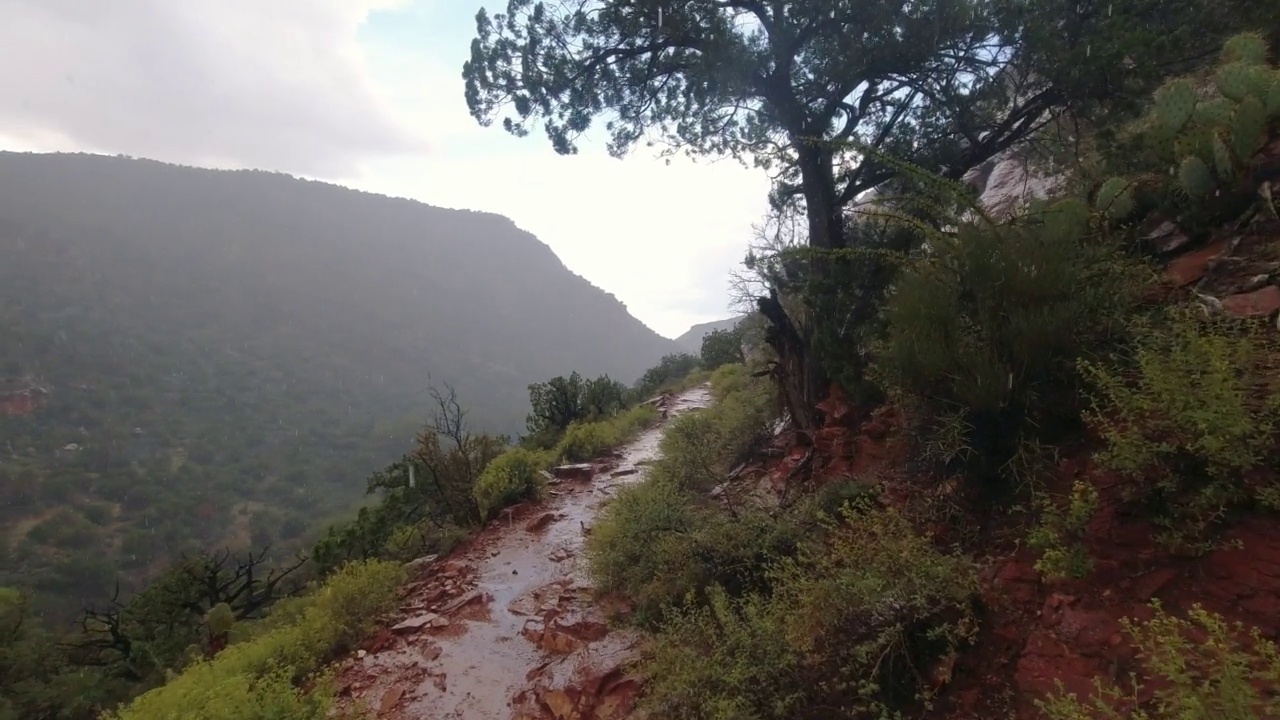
(691, 340)
(196, 356)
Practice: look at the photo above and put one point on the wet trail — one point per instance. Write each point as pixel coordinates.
(506, 627)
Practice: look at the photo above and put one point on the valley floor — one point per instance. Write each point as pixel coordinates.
(507, 627)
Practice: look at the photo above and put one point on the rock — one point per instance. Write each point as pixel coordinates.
(1167, 238)
(474, 596)
(623, 472)
(390, 699)
(361, 653)
(540, 523)
(415, 623)
(421, 562)
(581, 472)
(440, 622)
(1258, 303)
(1186, 269)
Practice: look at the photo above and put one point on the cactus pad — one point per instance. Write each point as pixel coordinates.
(1174, 104)
(1115, 198)
(1248, 127)
(1236, 80)
(1246, 47)
(1066, 220)
(1195, 177)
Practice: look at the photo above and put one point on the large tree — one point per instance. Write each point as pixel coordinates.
(804, 88)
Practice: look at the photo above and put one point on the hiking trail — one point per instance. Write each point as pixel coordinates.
(506, 627)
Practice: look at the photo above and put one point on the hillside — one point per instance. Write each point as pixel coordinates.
(197, 356)
(691, 340)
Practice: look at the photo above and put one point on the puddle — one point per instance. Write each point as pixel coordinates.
(530, 643)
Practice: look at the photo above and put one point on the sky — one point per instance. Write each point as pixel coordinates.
(368, 94)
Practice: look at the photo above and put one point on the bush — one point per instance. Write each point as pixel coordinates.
(259, 678)
(699, 449)
(658, 547)
(584, 441)
(514, 476)
(984, 334)
(1205, 668)
(847, 631)
(1190, 414)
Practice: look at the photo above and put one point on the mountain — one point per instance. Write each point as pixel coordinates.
(691, 340)
(198, 356)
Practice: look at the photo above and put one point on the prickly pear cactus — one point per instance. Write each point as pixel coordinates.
(1066, 220)
(1115, 198)
(1195, 177)
(1248, 128)
(1248, 47)
(1174, 104)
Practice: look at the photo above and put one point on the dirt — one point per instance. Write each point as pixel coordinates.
(507, 627)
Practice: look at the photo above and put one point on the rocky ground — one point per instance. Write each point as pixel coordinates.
(507, 627)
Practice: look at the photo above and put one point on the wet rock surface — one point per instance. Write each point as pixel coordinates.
(507, 627)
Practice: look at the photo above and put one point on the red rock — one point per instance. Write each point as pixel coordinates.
(540, 523)
(390, 699)
(581, 472)
(1258, 303)
(1186, 269)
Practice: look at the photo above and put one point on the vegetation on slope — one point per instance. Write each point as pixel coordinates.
(221, 357)
(241, 634)
(1010, 342)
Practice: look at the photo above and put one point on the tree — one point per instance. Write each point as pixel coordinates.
(721, 347)
(554, 404)
(816, 90)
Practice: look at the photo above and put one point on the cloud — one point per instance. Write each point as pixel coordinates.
(263, 83)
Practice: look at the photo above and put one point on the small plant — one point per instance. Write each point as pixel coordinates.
(1060, 533)
(1187, 418)
(514, 476)
(849, 629)
(1205, 667)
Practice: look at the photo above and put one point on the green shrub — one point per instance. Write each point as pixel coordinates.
(658, 547)
(1190, 414)
(847, 631)
(258, 679)
(1061, 530)
(514, 476)
(1206, 668)
(584, 441)
(984, 333)
(699, 449)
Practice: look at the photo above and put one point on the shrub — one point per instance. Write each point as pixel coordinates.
(846, 632)
(658, 547)
(513, 476)
(584, 441)
(985, 332)
(699, 449)
(1060, 533)
(1205, 666)
(1192, 411)
(258, 679)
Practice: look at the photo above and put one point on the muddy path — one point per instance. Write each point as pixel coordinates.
(506, 627)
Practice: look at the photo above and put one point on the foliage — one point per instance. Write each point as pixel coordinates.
(514, 476)
(259, 678)
(656, 542)
(587, 440)
(560, 402)
(1060, 533)
(666, 375)
(1201, 666)
(985, 330)
(1189, 415)
(721, 347)
(848, 630)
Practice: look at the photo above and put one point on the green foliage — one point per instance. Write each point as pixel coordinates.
(656, 542)
(560, 402)
(721, 347)
(1115, 198)
(259, 678)
(1199, 667)
(1210, 140)
(587, 440)
(985, 331)
(1189, 415)
(844, 631)
(1061, 531)
(668, 374)
(514, 476)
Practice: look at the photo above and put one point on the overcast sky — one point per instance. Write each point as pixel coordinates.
(366, 93)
